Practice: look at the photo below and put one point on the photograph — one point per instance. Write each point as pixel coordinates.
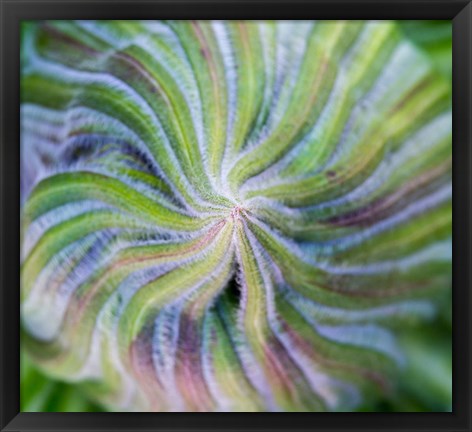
(236, 216)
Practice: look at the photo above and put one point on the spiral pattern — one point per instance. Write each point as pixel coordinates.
(230, 216)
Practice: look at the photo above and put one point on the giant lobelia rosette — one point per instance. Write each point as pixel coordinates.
(230, 216)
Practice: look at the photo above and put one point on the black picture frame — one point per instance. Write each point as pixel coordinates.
(13, 11)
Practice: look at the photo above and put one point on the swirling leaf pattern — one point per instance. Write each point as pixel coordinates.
(230, 216)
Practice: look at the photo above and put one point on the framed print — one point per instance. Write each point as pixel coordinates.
(243, 217)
